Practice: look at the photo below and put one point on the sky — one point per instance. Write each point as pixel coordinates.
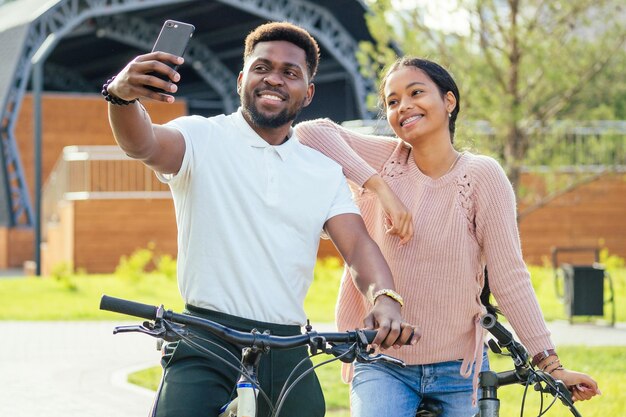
(441, 14)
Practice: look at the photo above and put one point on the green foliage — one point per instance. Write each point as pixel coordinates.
(166, 265)
(135, 267)
(611, 262)
(63, 273)
(320, 301)
(604, 97)
(517, 64)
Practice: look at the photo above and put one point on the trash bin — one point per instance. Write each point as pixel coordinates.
(582, 286)
(583, 290)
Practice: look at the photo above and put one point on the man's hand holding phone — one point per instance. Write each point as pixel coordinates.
(154, 75)
(150, 75)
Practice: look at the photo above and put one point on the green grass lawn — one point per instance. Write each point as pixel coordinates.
(76, 297)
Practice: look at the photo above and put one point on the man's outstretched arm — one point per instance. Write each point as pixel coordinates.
(161, 148)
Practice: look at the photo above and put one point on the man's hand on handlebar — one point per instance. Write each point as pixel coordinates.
(392, 330)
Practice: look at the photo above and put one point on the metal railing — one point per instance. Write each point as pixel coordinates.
(560, 144)
(97, 172)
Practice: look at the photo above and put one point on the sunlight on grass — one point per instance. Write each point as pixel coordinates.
(147, 378)
(77, 297)
(49, 299)
(320, 301)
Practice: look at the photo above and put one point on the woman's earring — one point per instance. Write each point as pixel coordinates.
(450, 115)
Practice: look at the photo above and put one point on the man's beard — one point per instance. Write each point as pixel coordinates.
(277, 120)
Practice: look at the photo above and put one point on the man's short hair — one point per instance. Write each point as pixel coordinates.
(285, 31)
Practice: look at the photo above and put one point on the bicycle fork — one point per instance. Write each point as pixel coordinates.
(488, 404)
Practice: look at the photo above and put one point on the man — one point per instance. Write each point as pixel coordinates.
(250, 204)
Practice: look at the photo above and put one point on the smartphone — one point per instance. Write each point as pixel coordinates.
(173, 39)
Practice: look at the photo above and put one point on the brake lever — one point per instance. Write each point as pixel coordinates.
(558, 389)
(169, 332)
(145, 328)
(380, 357)
(345, 352)
(554, 387)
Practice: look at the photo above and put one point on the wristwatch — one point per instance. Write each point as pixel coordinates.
(389, 293)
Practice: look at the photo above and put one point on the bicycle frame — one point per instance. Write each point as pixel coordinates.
(244, 405)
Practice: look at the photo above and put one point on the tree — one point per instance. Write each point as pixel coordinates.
(520, 64)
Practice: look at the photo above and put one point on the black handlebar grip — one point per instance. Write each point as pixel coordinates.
(130, 308)
(489, 322)
(371, 334)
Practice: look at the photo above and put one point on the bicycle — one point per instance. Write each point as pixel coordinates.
(166, 325)
(523, 373)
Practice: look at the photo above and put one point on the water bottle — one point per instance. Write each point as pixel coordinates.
(244, 405)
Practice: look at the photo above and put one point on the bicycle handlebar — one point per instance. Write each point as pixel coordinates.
(151, 312)
(130, 308)
(502, 335)
(505, 339)
(523, 370)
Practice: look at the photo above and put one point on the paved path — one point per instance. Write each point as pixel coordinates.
(66, 369)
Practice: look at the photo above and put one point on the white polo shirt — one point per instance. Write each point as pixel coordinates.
(249, 218)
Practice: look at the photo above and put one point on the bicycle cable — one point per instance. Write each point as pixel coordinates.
(291, 374)
(555, 397)
(540, 378)
(526, 385)
(282, 397)
(238, 369)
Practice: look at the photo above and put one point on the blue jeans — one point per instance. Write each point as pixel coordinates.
(381, 389)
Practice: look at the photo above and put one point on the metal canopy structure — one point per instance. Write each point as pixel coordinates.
(90, 40)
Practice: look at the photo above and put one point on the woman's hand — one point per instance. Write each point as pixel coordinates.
(398, 219)
(582, 386)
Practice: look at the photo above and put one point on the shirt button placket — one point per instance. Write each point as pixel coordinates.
(272, 181)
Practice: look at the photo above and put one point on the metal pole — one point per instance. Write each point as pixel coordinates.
(37, 87)
(38, 60)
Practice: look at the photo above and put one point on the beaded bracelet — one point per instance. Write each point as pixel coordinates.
(558, 368)
(550, 364)
(114, 99)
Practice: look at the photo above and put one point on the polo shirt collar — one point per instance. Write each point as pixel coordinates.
(255, 141)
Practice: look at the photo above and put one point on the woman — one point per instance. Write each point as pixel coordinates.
(462, 209)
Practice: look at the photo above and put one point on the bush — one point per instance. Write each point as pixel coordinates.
(143, 261)
(63, 273)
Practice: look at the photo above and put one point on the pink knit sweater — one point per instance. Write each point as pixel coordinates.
(463, 221)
